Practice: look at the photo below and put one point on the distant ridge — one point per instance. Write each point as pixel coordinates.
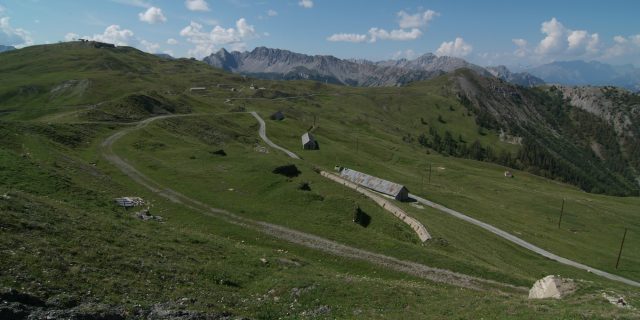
(6, 48)
(593, 73)
(281, 64)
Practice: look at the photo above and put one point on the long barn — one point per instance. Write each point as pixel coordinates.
(397, 191)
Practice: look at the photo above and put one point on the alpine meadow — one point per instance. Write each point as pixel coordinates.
(213, 176)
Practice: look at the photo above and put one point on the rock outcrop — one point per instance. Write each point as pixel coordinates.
(552, 287)
(286, 65)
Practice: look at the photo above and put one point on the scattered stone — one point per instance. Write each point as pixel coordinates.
(319, 311)
(616, 300)
(508, 174)
(261, 149)
(264, 261)
(297, 292)
(145, 215)
(552, 287)
(289, 262)
(129, 202)
(18, 305)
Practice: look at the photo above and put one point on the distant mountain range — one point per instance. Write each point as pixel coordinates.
(6, 48)
(270, 63)
(588, 73)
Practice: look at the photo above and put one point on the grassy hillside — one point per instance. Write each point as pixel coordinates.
(65, 239)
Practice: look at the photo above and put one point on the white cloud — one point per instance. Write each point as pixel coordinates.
(404, 54)
(348, 37)
(308, 4)
(456, 48)
(172, 41)
(417, 20)
(197, 5)
(149, 46)
(71, 36)
(396, 35)
(116, 35)
(272, 13)
(562, 41)
(580, 42)
(553, 42)
(11, 36)
(152, 15)
(411, 26)
(623, 46)
(207, 42)
(522, 49)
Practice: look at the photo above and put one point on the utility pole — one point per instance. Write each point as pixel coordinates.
(621, 245)
(421, 181)
(429, 174)
(561, 211)
(356, 145)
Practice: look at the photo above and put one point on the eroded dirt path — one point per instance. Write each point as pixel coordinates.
(295, 236)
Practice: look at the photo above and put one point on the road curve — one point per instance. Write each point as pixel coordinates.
(501, 233)
(524, 244)
(294, 236)
(263, 135)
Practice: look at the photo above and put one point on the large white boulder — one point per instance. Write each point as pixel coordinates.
(551, 287)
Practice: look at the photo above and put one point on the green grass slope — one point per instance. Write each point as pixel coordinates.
(62, 234)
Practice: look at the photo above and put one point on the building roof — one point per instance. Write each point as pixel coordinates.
(308, 137)
(371, 182)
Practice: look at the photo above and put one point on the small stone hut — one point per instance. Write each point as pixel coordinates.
(278, 116)
(309, 142)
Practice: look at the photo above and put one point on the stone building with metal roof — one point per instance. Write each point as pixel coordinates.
(309, 142)
(397, 191)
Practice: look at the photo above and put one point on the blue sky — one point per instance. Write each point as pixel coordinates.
(515, 33)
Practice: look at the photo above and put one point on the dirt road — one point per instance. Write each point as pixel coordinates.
(263, 135)
(294, 236)
(509, 237)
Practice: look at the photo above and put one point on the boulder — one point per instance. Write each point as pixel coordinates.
(552, 287)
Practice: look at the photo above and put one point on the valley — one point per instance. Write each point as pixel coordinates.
(239, 239)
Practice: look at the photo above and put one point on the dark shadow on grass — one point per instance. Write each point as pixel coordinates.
(289, 171)
(362, 218)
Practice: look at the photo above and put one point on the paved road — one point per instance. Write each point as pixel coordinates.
(524, 244)
(486, 226)
(294, 236)
(263, 135)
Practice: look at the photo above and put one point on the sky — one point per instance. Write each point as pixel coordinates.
(508, 32)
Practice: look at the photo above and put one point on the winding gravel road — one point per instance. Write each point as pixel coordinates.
(501, 233)
(263, 135)
(505, 235)
(290, 235)
(329, 246)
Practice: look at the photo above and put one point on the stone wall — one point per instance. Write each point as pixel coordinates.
(419, 229)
